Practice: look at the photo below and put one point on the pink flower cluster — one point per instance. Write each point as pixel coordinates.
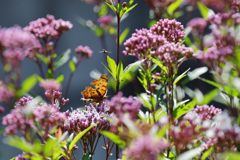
(5, 93)
(204, 112)
(120, 106)
(83, 52)
(80, 119)
(171, 29)
(198, 25)
(192, 126)
(162, 40)
(48, 28)
(105, 20)
(52, 92)
(146, 147)
(17, 44)
(50, 84)
(25, 118)
(223, 134)
(224, 39)
(172, 52)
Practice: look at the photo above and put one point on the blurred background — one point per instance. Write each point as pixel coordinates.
(16, 12)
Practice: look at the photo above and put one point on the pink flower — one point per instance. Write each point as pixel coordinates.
(1, 109)
(25, 118)
(171, 29)
(146, 147)
(17, 44)
(84, 51)
(5, 93)
(198, 25)
(50, 84)
(120, 105)
(105, 20)
(48, 28)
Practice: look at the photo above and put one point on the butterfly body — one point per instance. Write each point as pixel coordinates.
(97, 91)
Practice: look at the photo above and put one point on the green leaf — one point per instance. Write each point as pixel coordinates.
(197, 73)
(128, 9)
(231, 156)
(204, 10)
(128, 73)
(163, 130)
(124, 35)
(72, 66)
(144, 98)
(42, 58)
(112, 7)
(120, 70)
(103, 10)
(226, 89)
(115, 138)
(78, 137)
(159, 64)
(63, 59)
(112, 67)
(27, 85)
(19, 143)
(207, 153)
(180, 77)
(180, 111)
(98, 31)
(173, 6)
(60, 78)
(207, 98)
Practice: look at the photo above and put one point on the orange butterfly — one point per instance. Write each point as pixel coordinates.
(97, 91)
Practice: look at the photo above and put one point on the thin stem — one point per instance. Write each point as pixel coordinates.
(118, 46)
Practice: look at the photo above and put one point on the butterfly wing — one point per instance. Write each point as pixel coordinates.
(97, 91)
(101, 86)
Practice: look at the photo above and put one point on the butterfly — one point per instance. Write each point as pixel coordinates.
(97, 91)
